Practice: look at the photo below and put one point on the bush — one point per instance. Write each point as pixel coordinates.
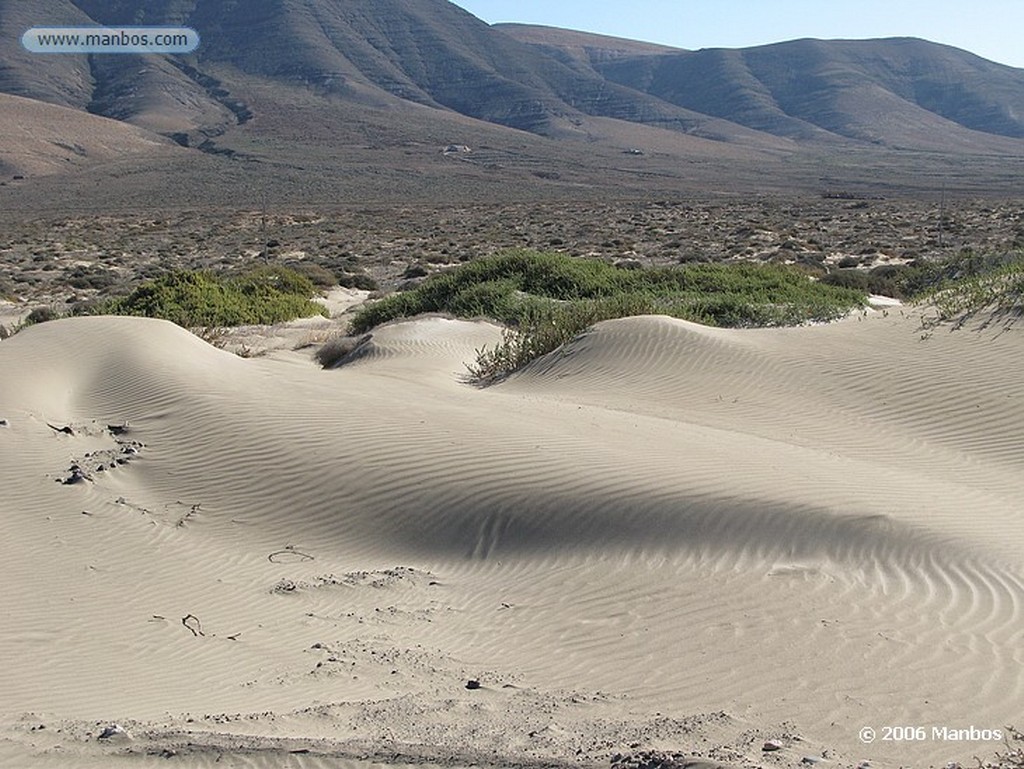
(502, 287)
(359, 280)
(319, 276)
(415, 271)
(41, 315)
(549, 298)
(91, 277)
(193, 299)
(963, 285)
(848, 278)
(886, 280)
(266, 281)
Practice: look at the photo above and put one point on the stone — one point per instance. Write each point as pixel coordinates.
(77, 475)
(113, 731)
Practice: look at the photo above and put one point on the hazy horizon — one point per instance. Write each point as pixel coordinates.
(989, 28)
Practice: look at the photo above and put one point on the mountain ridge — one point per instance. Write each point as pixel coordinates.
(269, 70)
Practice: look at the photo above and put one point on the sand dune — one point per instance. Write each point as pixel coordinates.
(666, 536)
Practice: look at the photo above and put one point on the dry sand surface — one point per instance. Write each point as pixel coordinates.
(666, 538)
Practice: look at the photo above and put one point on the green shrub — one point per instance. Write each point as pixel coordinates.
(270, 280)
(193, 299)
(500, 287)
(495, 299)
(849, 278)
(320, 276)
(548, 298)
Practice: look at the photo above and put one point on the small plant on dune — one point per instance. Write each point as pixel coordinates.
(966, 285)
(335, 350)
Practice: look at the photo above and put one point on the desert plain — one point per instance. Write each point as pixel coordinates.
(664, 545)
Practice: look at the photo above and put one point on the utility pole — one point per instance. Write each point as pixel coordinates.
(942, 212)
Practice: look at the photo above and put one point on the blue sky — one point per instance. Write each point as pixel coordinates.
(993, 29)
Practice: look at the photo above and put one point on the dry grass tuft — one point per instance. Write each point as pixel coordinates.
(340, 349)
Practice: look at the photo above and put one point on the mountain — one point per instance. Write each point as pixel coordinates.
(429, 52)
(63, 80)
(62, 139)
(581, 48)
(279, 83)
(153, 92)
(898, 92)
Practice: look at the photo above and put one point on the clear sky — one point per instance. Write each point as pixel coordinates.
(993, 29)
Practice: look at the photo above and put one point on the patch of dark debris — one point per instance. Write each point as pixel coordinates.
(377, 579)
(99, 461)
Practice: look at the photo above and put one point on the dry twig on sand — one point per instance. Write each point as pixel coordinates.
(191, 621)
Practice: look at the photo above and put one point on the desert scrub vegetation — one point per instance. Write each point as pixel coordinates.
(547, 298)
(893, 280)
(514, 286)
(195, 299)
(543, 329)
(962, 286)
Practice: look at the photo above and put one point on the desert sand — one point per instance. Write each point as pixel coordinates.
(665, 537)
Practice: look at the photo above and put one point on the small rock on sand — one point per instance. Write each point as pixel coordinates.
(113, 731)
(76, 475)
